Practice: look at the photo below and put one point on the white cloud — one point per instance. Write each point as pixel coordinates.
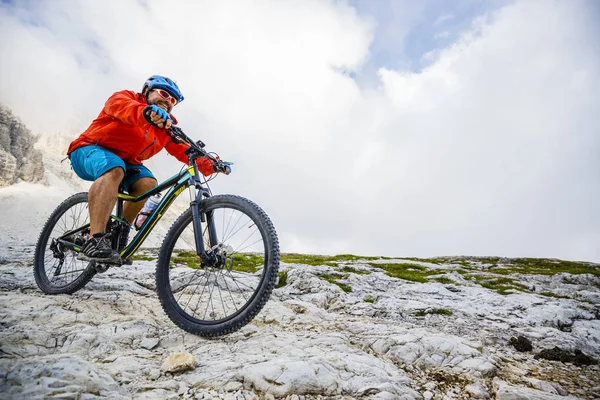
(490, 150)
(442, 19)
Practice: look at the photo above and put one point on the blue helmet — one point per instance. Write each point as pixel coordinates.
(162, 82)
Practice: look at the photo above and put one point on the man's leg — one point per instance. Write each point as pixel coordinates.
(102, 197)
(106, 170)
(141, 186)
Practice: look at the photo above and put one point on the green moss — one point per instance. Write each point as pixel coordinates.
(406, 271)
(502, 285)
(248, 262)
(426, 260)
(282, 279)
(368, 299)
(438, 311)
(543, 266)
(189, 258)
(443, 279)
(308, 259)
(355, 271)
(333, 278)
(143, 257)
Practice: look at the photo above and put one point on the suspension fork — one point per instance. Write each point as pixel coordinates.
(198, 219)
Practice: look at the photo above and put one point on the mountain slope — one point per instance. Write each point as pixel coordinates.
(338, 328)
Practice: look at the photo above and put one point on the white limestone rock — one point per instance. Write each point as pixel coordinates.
(57, 376)
(282, 377)
(477, 390)
(505, 391)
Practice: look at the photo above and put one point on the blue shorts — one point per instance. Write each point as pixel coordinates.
(91, 162)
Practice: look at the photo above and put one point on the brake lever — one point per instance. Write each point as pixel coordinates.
(223, 165)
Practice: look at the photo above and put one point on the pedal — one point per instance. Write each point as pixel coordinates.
(100, 268)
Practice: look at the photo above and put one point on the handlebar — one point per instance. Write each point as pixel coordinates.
(178, 136)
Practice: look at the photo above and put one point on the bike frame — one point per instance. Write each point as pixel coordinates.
(177, 183)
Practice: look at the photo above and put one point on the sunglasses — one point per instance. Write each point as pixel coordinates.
(166, 95)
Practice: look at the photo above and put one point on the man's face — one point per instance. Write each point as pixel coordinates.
(154, 97)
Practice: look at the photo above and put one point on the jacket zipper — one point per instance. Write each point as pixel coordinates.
(147, 147)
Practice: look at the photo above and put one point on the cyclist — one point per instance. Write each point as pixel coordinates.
(131, 128)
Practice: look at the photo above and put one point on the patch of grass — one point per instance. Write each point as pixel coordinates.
(143, 257)
(544, 266)
(464, 263)
(282, 279)
(502, 285)
(242, 262)
(309, 259)
(368, 299)
(443, 279)
(440, 260)
(247, 262)
(189, 258)
(406, 271)
(355, 271)
(332, 278)
(426, 260)
(438, 311)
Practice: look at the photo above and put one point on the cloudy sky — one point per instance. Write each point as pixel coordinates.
(395, 128)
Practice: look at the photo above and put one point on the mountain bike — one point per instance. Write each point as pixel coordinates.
(216, 267)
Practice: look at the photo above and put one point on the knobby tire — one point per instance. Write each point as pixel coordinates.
(266, 279)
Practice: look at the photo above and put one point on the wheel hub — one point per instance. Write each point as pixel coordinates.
(217, 256)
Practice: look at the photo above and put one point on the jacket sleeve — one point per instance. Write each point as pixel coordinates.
(125, 107)
(177, 150)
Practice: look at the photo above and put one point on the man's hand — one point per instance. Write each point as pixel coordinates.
(222, 166)
(157, 117)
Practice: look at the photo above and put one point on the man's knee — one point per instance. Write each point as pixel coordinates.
(143, 184)
(116, 174)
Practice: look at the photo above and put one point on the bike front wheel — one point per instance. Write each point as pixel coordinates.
(55, 267)
(221, 296)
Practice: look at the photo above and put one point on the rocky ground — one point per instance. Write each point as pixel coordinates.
(340, 328)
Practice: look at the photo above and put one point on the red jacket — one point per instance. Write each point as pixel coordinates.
(121, 128)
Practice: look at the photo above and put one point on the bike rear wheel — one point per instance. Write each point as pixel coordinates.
(220, 297)
(56, 268)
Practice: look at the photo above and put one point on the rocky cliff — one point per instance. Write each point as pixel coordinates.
(335, 328)
(18, 158)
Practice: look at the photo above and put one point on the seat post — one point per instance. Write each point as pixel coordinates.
(120, 203)
(119, 208)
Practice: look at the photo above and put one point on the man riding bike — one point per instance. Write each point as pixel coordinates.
(131, 128)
